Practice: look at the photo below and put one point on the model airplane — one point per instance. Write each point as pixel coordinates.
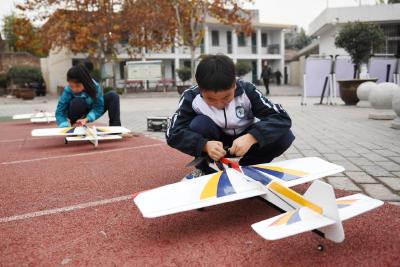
(92, 134)
(38, 117)
(318, 209)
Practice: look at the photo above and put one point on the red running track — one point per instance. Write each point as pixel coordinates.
(44, 174)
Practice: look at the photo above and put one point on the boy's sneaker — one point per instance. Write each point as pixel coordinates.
(194, 174)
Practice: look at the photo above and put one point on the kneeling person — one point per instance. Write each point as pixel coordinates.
(224, 112)
(82, 101)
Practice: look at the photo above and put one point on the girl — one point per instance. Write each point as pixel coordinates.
(82, 101)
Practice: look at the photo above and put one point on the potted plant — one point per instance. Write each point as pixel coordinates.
(3, 83)
(27, 93)
(242, 68)
(358, 39)
(184, 74)
(23, 77)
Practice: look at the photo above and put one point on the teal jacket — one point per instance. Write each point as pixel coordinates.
(96, 106)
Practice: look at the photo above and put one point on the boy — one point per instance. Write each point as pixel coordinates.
(221, 112)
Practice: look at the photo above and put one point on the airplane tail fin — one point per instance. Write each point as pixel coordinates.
(323, 194)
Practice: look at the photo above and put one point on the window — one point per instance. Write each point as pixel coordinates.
(264, 39)
(253, 43)
(215, 38)
(241, 39)
(229, 41)
(122, 69)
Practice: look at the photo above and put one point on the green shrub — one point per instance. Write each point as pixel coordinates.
(24, 74)
(3, 80)
(108, 89)
(242, 68)
(120, 91)
(184, 74)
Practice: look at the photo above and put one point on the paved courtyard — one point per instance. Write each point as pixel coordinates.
(368, 149)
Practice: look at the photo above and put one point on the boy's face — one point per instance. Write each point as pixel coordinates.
(219, 99)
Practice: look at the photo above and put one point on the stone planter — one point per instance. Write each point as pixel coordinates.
(17, 93)
(396, 108)
(381, 98)
(363, 93)
(27, 93)
(348, 90)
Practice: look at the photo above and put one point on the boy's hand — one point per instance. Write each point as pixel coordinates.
(81, 122)
(242, 144)
(215, 150)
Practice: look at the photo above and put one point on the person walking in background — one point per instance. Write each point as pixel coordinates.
(278, 76)
(266, 75)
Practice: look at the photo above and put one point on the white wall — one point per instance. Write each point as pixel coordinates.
(57, 67)
(327, 43)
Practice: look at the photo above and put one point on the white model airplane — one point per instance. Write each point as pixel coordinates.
(92, 134)
(38, 117)
(318, 209)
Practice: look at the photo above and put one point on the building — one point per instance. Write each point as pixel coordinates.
(266, 43)
(327, 25)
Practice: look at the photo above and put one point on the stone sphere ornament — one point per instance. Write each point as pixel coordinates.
(396, 108)
(381, 98)
(363, 91)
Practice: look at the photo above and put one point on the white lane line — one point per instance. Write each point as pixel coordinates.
(22, 140)
(81, 154)
(12, 140)
(64, 209)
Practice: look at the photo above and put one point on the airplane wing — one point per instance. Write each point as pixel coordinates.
(42, 119)
(33, 115)
(292, 172)
(356, 204)
(23, 116)
(291, 223)
(78, 131)
(101, 130)
(59, 131)
(208, 190)
(90, 138)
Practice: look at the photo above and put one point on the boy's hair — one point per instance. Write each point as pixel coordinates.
(216, 73)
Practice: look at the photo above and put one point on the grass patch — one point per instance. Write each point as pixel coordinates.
(5, 118)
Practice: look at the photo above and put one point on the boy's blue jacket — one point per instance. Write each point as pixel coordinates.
(248, 111)
(96, 106)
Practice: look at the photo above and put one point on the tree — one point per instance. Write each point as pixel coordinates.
(22, 36)
(302, 39)
(191, 17)
(102, 28)
(9, 33)
(387, 1)
(359, 39)
(297, 40)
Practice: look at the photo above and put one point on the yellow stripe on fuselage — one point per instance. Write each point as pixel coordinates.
(283, 170)
(294, 196)
(66, 130)
(210, 190)
(103, 129)
(346, 201)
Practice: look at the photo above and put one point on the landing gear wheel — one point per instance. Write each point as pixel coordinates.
(320, 247)
(65, 141)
